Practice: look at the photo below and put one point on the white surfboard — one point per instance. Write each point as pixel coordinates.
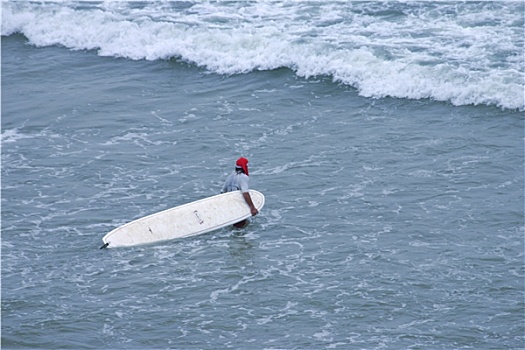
(186, 220)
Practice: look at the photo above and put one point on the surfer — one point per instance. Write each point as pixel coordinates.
(238, 180)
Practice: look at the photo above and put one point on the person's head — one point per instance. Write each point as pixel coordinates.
(242, 165)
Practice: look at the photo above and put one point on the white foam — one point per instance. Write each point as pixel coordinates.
(12, 135)
(460, 53)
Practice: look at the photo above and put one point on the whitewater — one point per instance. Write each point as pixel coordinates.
(463, 53)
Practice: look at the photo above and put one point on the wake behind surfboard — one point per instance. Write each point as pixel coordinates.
(186, 220)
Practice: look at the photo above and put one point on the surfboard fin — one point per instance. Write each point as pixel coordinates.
(104, 246)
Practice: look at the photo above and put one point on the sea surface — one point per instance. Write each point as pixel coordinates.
(387, 137)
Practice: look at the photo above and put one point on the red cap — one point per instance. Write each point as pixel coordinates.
(243, 163)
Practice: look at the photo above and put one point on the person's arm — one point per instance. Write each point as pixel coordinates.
(225, 186)
(243, 183)
(249, 201)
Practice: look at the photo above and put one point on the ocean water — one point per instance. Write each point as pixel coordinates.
(387, 138)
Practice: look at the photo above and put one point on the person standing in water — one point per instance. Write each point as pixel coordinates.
(239, 181)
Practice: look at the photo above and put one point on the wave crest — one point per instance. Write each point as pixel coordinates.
(403, 51)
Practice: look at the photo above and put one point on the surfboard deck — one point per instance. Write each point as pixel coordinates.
(186, 220)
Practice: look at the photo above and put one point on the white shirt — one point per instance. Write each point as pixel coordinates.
(236, 181)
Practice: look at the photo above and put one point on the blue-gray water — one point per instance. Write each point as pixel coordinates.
(390, 223)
